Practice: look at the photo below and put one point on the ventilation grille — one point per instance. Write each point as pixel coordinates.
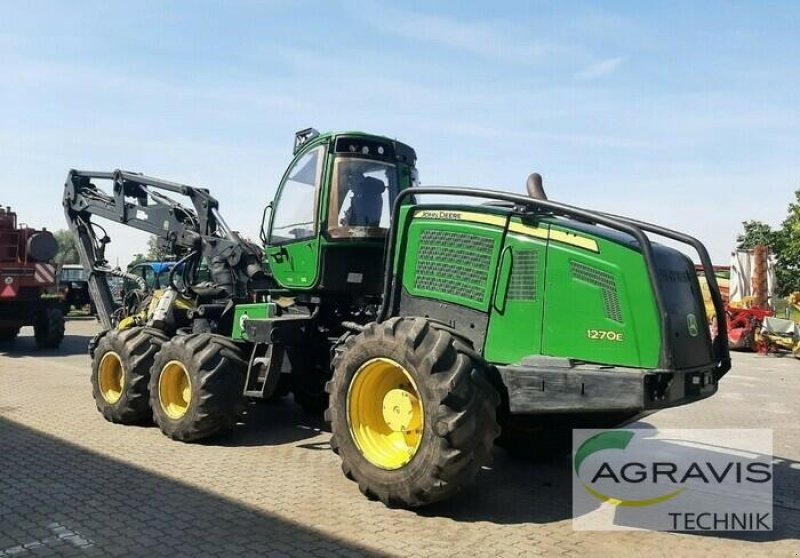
(605, 281)
(524, 275)
(454, 263)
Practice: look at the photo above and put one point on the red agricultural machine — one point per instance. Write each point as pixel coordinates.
(26, 277)
(744, 327)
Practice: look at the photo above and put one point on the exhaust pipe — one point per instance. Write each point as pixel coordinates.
(535, 188)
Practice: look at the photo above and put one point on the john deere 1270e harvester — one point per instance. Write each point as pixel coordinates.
(426, 327)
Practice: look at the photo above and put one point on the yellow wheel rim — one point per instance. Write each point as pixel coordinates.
(111, 377)
(174, 389)
(385, 413)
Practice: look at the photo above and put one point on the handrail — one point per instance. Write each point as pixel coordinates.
(721, 349)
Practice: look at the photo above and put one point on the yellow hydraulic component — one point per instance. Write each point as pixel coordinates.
(385, 413)
(111, 377)
(126, 323)
(174, 389)
(181, 303)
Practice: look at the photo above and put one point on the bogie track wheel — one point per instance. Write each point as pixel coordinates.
(196, 386)
(121, 371)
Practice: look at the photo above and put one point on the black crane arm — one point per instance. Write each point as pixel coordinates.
(138, 201)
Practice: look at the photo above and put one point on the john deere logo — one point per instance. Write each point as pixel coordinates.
(691, 321)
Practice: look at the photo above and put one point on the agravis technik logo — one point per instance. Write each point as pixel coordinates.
(673, 480)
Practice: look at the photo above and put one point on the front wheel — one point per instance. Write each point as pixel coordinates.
(412, 416)
(196, 386)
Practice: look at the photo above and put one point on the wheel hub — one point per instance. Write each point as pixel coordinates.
(111, 377)
(401, 410)
(385, 413)
(174, 389)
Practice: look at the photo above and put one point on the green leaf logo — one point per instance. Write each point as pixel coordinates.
(615, 440)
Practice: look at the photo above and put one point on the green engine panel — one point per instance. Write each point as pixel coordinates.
(454, 261)
(547, 289)
(515, 324)
(600, 306)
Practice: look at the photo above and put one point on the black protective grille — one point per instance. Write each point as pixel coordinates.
(454, 263)
(606, 282)
(524, 275)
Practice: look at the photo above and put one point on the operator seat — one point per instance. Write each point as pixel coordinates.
(367, 203)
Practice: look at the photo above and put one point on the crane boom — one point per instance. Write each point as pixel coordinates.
(193, 233)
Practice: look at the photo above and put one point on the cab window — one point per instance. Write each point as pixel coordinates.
(294, 217)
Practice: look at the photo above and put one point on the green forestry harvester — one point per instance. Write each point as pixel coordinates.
(426, 329)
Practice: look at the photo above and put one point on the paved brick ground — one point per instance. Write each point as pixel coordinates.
(73, 484)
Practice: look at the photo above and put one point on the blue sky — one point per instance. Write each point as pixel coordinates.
(683, 113)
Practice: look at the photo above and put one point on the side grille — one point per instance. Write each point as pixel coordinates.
(454, 263)
(605, 281)
(524, 275)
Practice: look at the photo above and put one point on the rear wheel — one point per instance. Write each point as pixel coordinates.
(412, 416)
(121, 371)
(48, 328)
(196, 386)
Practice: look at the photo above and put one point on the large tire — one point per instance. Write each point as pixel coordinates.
(196, 386)
(48, 328)
(95, 340)
(8, 333)
(121, 372)
(456, 405)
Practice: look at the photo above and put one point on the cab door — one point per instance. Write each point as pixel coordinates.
(293, 241)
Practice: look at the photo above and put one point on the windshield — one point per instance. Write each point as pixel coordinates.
(362, 194)
(296, 208)
(73, 275)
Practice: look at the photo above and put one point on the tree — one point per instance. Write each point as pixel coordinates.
(755, 234)
(783, 243)
(153, 251)
(67, 248)
(153, 254)
(137, 259)
(787, 250)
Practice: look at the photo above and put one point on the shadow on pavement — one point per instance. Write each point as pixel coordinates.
(274, 423)
(58, 498)
(25, 346)
(514, 491)
(511, 490)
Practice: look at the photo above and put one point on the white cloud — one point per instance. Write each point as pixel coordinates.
(485, 39)
(600, 69)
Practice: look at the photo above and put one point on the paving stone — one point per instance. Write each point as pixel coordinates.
(73, 484)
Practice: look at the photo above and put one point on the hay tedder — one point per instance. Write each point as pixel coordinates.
(424, 321)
